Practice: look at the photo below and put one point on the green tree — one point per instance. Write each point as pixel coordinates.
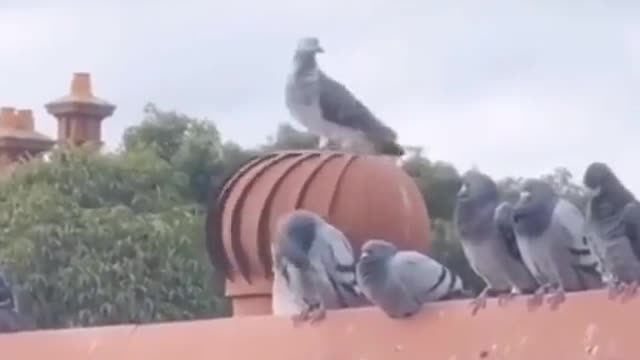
(438, 181)
(190, 145)
(101, 239)
(288, 138)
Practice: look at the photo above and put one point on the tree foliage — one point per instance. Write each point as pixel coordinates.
(103, 238)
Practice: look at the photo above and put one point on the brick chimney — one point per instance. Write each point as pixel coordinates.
(80, 113)
(18, 138)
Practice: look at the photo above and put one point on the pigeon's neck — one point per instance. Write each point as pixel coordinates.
(617, 194)
(304, 64)
(534, 222)
(373, 270)
(474, 218)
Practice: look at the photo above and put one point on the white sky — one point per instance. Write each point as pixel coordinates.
(517, 88)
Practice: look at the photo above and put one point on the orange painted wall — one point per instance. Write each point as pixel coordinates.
(588, 326)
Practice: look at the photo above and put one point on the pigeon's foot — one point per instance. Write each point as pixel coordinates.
(479, 302)
(629, 290)
(301, 317)
(556, 298)
(614, 289)
(504, 299)
(538, 297)
(317, 315)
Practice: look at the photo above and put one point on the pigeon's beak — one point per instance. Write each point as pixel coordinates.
(319, 49)
(364, 254)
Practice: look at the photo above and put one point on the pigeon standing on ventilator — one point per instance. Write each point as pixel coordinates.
(328, 109)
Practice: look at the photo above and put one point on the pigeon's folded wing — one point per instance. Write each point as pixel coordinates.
(339, 260)
(340, 106)
(503, 216)
(423, 277)
(572, 220)
(631, 219)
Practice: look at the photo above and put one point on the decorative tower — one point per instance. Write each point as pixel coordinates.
(19, 139)
(80, 113)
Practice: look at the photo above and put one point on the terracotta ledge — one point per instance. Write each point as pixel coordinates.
(588, 326)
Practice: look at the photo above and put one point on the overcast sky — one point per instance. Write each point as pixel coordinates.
(515, 87)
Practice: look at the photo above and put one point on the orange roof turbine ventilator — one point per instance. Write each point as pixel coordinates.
(364, 196)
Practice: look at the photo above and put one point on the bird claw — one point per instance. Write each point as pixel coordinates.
(478, 303)
(310, 314)
(557, 298)
(317, 315)
(615, 289)
(300, 318)
(629, 290)
(538, 297)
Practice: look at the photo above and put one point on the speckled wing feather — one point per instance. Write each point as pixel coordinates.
(339, 261)
(341, 107)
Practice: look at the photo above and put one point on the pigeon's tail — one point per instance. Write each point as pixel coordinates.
(389, 148)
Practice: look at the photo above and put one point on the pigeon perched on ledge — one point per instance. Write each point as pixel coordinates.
(613, 214)
(328, 109)
(485, 228)
(553, 241)
(314, 268)
(400, 282)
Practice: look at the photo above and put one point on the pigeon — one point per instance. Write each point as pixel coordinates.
(11, 320)
(613, 216)
(484, 226)
(328, 109)
(550, 232)
(400, 282)
(314, 268)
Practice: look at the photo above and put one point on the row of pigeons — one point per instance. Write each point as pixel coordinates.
(540, 244)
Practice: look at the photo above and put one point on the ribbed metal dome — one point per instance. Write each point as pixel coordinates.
(364, 196)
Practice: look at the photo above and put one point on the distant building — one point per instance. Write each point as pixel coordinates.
(79, 115)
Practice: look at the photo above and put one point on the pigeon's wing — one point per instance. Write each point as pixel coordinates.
(423, 277)
(503, 220)
(338, 259)
(580, 247)
(340, 106)
(631, 220)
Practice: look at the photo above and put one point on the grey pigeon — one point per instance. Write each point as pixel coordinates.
(10, 319)
(400, 282)
(551, 235)
(328, 109)
(485, 229)
(613, 216)
(314, 268)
